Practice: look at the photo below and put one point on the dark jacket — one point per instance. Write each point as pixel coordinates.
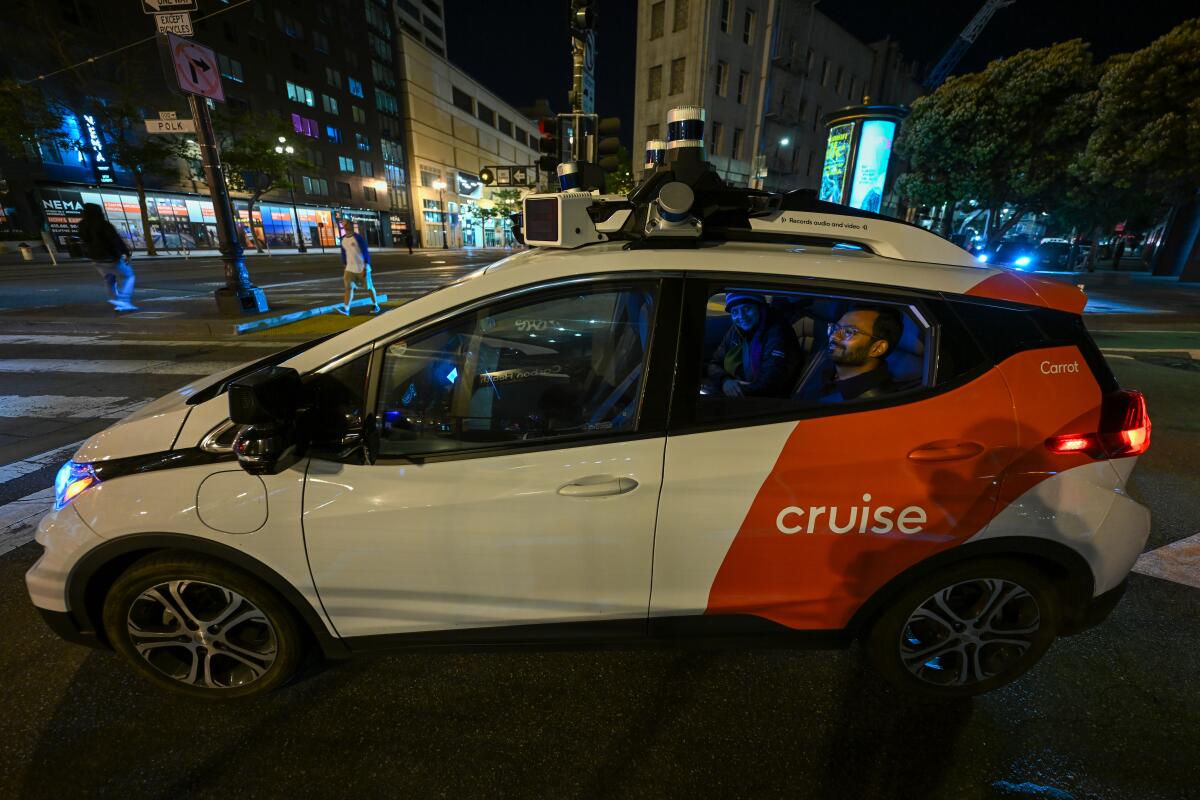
(864, 386)
(101, 240)
(768, 359)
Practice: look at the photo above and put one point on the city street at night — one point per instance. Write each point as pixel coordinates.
(567, 722)
(599, 399)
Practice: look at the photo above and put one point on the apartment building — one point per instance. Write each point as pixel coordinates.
(767, 72)
(329, 70)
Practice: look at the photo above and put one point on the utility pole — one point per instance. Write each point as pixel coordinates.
(239, 294)
(194, 69)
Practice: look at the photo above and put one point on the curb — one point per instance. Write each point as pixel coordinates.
(296, 316)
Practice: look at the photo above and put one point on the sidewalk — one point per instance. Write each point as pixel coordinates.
(194, 317)
(40, 256)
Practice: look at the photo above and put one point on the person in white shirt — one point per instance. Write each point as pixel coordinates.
(356, 261)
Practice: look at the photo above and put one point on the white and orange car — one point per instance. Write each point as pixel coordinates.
(548, 451)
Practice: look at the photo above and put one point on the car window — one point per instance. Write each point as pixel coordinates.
(571, 365)
(771, 352)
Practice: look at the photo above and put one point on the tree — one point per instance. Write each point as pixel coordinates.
(27, 117)
(141, 154)
(620, 180)
(1146, 142)
(248, 157)
(1004, 136)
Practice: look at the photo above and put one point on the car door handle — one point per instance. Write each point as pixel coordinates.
(598, 486)
(945, 450)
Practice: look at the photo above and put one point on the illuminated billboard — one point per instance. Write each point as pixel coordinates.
(837, 150)
(870, 164)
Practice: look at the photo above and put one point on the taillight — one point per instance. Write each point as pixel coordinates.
(1124, 429)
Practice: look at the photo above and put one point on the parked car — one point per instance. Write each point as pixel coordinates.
(530, 456)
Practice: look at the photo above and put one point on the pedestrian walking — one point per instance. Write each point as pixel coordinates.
(48, 240)
(110, 254)
(356, 264)
(408, 241)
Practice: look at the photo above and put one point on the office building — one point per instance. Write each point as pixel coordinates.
(766, 72)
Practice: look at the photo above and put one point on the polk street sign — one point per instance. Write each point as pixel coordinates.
(170, 126)
(179, 23)
(195, 68)
(159, 6)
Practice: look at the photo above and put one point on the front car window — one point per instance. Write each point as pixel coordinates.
(563, 366)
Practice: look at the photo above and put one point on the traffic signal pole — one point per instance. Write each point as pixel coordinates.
(238, 295)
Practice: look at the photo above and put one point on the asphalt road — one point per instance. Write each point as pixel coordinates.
(1110, 713)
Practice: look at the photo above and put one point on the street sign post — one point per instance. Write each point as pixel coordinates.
(159, 6)
(196, 74)
(178, 23)
(195, 68)
(170, 126)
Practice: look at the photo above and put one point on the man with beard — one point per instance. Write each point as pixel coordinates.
(858, 345)
(758, 356)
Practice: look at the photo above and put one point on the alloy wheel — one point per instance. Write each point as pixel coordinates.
(201, 634)
(969, 632)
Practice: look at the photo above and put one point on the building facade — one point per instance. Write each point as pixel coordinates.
(455, 127)
(369, 102)
(766, 72)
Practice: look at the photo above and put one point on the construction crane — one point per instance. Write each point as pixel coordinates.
(969, 34)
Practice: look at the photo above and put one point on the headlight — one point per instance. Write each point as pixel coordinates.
(1023, 261)
(72, 479)
(982, 258)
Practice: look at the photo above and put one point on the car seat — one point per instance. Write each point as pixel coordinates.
(906, 362)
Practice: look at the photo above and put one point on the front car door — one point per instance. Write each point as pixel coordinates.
(788, 512)
(513, 470)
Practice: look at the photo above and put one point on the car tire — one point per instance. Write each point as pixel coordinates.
(202, 627)
(965, 630)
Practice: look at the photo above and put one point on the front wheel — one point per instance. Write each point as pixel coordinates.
(201, 627)
(965, 630)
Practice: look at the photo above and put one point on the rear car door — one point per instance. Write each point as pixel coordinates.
(788, 513)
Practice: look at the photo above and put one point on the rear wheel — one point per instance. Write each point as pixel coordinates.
(965, 630)
(202, 627)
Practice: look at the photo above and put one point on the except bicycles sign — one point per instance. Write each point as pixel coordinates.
(196, 68)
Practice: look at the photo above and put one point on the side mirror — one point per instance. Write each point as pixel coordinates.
(268, 405)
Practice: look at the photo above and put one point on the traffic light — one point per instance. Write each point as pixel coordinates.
(548, 144)
(486, 176)
(609, 145)
(583, 15)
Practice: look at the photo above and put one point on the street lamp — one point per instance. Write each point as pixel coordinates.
(281, 148)
(440, 185)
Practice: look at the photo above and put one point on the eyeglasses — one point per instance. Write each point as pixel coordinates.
(846, 332)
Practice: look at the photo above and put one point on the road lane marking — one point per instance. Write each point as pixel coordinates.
(17, 469)
(1178, 561)
(58, 406)
(114, 366)
(19, 519)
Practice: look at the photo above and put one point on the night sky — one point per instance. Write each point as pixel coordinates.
(524, 54)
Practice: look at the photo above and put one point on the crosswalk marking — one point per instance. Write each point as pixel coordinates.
(56, 406)
(19, 519)
(1178, 561)
(25, 466)
(114, 366)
